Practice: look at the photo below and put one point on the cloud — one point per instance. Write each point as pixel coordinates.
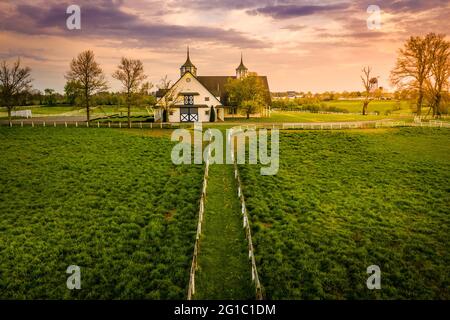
(107, 20)
(287, 11)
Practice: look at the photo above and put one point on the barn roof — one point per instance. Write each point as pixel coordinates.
(216, 85)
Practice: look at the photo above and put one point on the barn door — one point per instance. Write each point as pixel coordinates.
(188, 114)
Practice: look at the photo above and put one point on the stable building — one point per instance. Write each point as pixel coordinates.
(195, 98)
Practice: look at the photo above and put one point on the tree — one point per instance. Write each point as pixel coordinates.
(212, 115)
(169, 99)
(249, 93)
(87, 72)
(14, 81)
(131, 74)
(49, 98)
(413, 67)
(72, 91)
(438, 81)
(370, 83)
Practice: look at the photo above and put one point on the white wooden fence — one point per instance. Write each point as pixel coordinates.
(22, 113)
(201, 211)
(246, 226)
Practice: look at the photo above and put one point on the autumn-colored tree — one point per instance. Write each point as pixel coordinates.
(14, 81)
(131, 74)
(413, 67)
(87, 73)
(438, 81)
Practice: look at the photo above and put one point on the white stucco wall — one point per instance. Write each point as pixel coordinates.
(189, 84)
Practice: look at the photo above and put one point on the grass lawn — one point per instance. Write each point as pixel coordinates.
(99, 111)
(109, 201)
(343, 201)
(293, 116)
(380, 106)
(224, 268)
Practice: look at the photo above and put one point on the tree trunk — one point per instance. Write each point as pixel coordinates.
(88, 116)
(9, 115)
(364, 110)
(419, 103)
(248, 115)
(129, 112)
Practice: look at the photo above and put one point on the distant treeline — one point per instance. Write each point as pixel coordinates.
(50, 97)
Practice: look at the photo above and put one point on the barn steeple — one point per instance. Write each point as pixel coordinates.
(241, 70)
(188, 66)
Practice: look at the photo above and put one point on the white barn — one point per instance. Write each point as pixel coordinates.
(188, 100)
(196, 98)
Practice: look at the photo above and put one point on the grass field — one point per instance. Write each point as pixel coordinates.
(343, 201)
(380, 106)
(294, 116)
(108, 201)
(99, 111)
(224, 269)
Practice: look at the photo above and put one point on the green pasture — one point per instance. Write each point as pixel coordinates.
(108, 201)
(343, 201)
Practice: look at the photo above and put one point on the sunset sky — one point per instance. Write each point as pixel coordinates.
(300, 45)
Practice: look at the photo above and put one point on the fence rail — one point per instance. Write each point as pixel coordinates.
(92, 124)
(201, 211)
(246, 226)
(281, 125)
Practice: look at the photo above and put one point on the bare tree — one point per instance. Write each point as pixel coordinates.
(14, 81)
(170, 97)
(413, 67)
(437, 83)
(131, 73)
(370, 83)
(87, 72)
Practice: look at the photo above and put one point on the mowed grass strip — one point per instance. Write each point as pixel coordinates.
(224, 268)
(343, 201)
(108, 201)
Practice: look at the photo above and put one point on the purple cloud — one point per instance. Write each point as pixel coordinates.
(106, 20)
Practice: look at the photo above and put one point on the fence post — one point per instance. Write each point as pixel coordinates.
(32, 124)
(44, 123)
(76, 124)
(65, 124)
(98, 124)
(54, 124)
(21, 123)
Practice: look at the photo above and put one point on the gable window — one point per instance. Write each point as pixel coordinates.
(206, 98)
(188, 100)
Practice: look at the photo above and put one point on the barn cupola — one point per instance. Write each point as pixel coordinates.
(188, 66)
(242, 70)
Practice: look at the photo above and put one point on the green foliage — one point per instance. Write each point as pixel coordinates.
(212, 115)
(343, 201)
(108, 201)
(248, 93)
(72, 91)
